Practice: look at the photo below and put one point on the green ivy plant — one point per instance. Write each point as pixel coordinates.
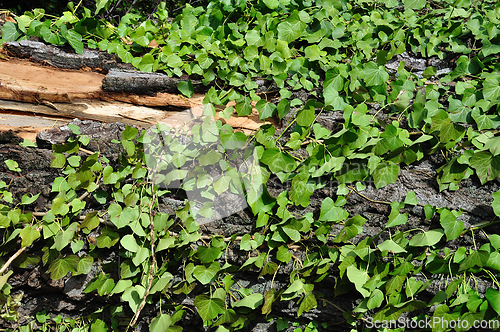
(336, 51)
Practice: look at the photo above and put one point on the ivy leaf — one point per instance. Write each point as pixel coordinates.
(493, 297)
(206, 275)
(48, 36)
(208, 254)
(448, 131)
(128, 242)
(478, 258)
(271, 4)
(491, 89)
(411, 198)
(306, 116)
(27, 200)
(374, 74)
(204, 60)
(427, 239)
(91, 221)
(222, 184)
(493, 261)
(266, 110)
(98, 326)
(489, 48)
(251, 301)
(12, 165)
(28, 235)
(186, 88)
(160, 323)
(209, 308)
(64, 238)
(134, 296)
(487, 167)
(495, 238)
(308, 303)
(75, 40)
(210, 157)
(452, 227)
(278, 161)
(106, 287)
(493, 145)
(414, 4)
(330, 212)
(385, 173)
(269, 299)
(358, 278)
(302, 189)
(352, 227)
(101, 4)
(107, 239)
(314, 53)
(391, 246)
(283, 254)
(375, 300)
(85, 265)
(141, 255)
(291, 29)
(61, 266)
(10, 31)
(58, 160)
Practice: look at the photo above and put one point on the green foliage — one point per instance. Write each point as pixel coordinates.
(295, 46)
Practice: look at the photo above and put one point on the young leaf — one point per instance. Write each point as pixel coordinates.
(374, 74)
(330, 212)
(12, 165)
(385, 173)
(10, 31)
(427, 239)
(452, 227)
(252, 301)
(208, 254)
(391, 246)
(75, 40)
(160, 323)
(358, 278)
(208, 308)
(204, 274)
(493, 297)
(61, 266)
(186, 88)
(278, 161)
(28, 235)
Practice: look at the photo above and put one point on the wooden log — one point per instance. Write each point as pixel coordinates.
(56, 56)
(22, 80)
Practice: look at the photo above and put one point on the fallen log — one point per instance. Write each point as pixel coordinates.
(26, 81)
(57, 57)
(66, 88)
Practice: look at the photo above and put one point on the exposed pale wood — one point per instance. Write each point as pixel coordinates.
(25, 81)
(29, 87)
(91, 110)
